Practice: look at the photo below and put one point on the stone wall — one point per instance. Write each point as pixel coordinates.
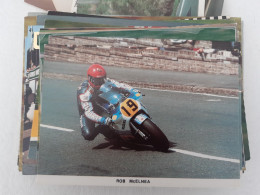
(140, 53)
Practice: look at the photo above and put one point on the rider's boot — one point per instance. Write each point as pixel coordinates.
(107, 132)
(87, 128)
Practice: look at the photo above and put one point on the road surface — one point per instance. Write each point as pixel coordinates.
(151, 76)
(205, 128)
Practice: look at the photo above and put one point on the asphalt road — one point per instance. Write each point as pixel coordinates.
(151, 76)
(206, 125)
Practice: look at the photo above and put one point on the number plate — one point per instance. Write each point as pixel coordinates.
(129, 107)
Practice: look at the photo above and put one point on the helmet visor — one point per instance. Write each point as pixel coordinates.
(97, 81)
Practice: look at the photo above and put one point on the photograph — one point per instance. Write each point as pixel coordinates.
(30, 102)
(128, 7)
(133, 7)
(126, 107)
(149, 7)
(130, 97)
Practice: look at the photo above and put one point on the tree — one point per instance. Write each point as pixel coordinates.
(143, 7)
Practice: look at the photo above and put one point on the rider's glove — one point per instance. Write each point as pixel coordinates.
(106, 121)
(135, 91)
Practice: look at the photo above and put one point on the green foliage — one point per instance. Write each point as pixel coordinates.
(143, 7)
(136, 7)
(66, 24)
(83, 8)
(128, 7)
(175, 7)
(103, 7)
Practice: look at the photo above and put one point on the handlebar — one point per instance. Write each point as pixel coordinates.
(111, 126)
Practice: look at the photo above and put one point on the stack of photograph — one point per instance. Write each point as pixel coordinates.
(133, 93)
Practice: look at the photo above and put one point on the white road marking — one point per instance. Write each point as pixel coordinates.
(213, 100)
(172, 149)
(206, 94)
(56, 128)
(204, 155)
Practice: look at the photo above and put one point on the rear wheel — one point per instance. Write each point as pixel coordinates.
(155, 136)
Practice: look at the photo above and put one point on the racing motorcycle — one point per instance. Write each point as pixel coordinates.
(128, 113)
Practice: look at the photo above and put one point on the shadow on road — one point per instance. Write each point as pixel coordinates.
(129, 143)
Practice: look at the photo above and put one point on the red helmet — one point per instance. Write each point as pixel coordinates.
(96, 75)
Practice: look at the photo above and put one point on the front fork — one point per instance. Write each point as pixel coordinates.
(139, 119)
(138, 131)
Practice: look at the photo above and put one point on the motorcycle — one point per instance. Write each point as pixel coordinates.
(128, 113)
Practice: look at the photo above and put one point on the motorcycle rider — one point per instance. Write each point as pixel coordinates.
(96, 76)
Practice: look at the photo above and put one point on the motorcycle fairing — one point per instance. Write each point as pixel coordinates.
(140, 118)
(111, 99)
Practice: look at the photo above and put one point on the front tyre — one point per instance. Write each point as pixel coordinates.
(155, 136)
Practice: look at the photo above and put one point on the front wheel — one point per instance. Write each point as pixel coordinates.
(155, 136)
